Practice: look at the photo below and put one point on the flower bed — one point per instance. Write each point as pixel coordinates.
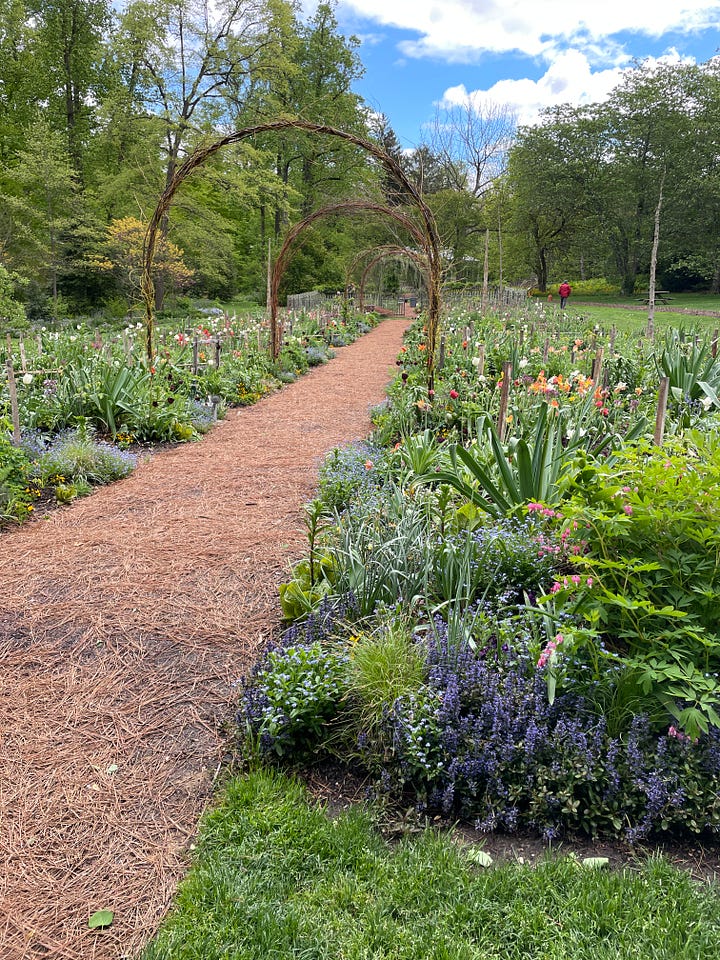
(529, 635)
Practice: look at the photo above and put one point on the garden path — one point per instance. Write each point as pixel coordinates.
(125, 621)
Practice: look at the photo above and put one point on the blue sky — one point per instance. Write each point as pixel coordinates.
(524, 53)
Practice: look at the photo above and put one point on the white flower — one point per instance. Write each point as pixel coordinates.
(73, 339)
(27, 379)
(523, 363)
(476, 361)
(707, 403)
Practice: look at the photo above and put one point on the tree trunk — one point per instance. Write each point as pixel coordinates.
(653, 263)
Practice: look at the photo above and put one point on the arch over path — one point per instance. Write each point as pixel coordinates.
(427, 227)
(346, 206)
(384, 252)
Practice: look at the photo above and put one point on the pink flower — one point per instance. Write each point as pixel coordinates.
(454, 394)
(678, 735)
(575, 579)
(589, 581)
(532, 507)
(627, 508)
(369, 464)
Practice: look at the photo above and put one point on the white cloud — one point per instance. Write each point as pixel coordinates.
(568, 79)
(462, 30)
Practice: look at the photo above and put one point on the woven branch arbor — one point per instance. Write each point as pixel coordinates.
(384, 252)
(345, 206)
(423, 232)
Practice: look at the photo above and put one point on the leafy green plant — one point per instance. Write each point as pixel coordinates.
(693, 372)
(647, 533)
(521, 472)
(293, 695)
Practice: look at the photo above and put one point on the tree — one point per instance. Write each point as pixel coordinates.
(123, 256)
(40, 195)
(190, 53)
(549, 169)
(70, 38)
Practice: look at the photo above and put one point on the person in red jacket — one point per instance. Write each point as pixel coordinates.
(564, 290)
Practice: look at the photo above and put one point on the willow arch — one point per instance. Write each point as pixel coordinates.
(427, 234)
(384, 252)
(345, 206)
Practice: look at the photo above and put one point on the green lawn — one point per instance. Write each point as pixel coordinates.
(276, 878)
(628, 315)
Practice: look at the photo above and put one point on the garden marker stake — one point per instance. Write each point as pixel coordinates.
(661, 411)
(14, 408)
(504, 397)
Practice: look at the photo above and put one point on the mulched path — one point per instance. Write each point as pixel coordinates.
(126, 620)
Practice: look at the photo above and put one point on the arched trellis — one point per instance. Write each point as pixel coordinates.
(427, 234)
(391, 250)
(345, 206)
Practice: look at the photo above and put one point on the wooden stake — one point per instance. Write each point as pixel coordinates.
(714, 344)
(486, 273)
(14, 408)
(661, 410)
(597, 366)
(23, 356)
(504, 398)
(481, 360)
(195, 356)
(441, 358)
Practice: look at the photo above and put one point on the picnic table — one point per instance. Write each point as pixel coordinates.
(661, 296)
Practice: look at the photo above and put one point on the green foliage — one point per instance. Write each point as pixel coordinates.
(694, 375)
(647, 532)
(384, 665)
(296, 691)
(16, 492)
(274, 874)
(522, 471)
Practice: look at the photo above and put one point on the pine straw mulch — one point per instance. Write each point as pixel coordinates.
(125, 621)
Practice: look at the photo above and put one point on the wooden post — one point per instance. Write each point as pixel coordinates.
(195, 356)
(39, 345)
(546, 349)
(23, 355)
(268, 294)
(597, 366)
(14, 408)
(661, 410)
(714, 344)
(613, 335)
(481, 360)
(504, 398)
(486, 273)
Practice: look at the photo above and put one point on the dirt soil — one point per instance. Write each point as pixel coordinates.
(126, 620)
